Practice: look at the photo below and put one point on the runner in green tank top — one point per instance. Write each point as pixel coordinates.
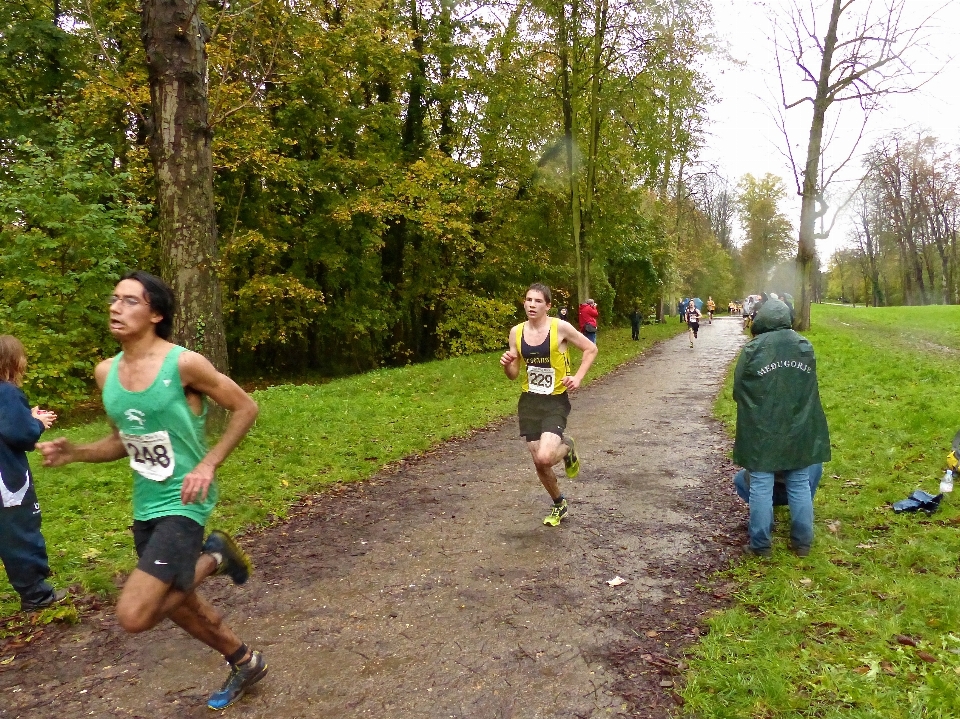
(155, 395)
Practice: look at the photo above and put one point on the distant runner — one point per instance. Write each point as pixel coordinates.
(155, 395)
(539, 347)
(692, 316)
(711, 308)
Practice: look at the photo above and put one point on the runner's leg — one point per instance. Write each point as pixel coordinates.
(546, 452)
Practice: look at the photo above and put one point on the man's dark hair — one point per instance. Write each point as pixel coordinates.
(159, 296)
(542, 289)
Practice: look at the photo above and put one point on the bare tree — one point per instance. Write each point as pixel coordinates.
(862, 53)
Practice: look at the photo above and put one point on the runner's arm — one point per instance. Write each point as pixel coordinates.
(570, 334)
(197, 373)
(510, 360)
(61, 451)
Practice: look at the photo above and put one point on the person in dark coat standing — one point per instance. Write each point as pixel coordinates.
(636, 319)
(781, 427)
(22, 549)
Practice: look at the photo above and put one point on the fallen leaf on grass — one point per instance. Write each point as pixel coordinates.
(906, 641)
(616, 581)
(806, 582)
(927, 657)
(862, 670)
(834, 526)
(888, 669)
(866, 545)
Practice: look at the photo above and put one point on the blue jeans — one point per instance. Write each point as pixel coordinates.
(592, 336)
(799, 499)
(741, 483)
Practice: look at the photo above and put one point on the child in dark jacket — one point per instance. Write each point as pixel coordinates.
(22, 549)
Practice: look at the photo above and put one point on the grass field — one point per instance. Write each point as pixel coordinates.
(817, 637)
(306, 437)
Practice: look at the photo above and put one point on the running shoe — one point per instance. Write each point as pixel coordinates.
(571, 460)
(233, 561)
(241, 678)
(559, 512)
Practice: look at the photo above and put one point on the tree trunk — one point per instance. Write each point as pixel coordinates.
(568, 33)
(810, 208)
(174, 39)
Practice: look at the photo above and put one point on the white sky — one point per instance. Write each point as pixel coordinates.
(743, 134)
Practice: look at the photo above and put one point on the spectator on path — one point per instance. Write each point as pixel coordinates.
(588, 317)
(22, 548)
(636, 319)
(787, 299)
(781, 427)
(682, 309)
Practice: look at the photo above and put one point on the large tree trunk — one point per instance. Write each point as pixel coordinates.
(569, 57)
(810, 208)
(175, 42)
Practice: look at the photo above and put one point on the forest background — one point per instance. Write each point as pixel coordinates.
(388, 178)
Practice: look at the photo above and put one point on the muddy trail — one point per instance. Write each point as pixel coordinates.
(433, 590)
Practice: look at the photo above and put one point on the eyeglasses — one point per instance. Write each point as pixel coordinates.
(128, 301)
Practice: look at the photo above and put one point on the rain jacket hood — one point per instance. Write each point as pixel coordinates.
(773, 315)
(780, 421)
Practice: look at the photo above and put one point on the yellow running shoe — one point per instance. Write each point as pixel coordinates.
(558, 513)
(571, 461)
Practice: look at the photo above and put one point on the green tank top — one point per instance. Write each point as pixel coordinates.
(164, 440)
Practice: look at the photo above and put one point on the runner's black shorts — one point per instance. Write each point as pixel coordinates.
(169, 548)
(539, 413)
(694, 326)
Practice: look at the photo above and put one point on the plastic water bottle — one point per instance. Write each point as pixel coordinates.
(946, 484)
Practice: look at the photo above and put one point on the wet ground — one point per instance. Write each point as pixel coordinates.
(435, 591)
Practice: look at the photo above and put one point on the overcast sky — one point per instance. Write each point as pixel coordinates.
(743, 133)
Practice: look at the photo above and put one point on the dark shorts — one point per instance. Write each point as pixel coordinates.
(169, 548)
(694, 326)
(539, 413)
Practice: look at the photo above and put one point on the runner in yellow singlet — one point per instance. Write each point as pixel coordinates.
(538, 353)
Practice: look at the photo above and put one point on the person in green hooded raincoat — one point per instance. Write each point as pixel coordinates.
(781, 427)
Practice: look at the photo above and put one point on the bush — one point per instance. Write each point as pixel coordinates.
(474, 324)
(66, 234)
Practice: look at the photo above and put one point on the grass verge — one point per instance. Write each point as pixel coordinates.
(869, 624)
(307, 437)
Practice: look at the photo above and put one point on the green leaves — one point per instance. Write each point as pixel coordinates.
(67, 231)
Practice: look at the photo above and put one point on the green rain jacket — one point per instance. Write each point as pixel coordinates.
(780, 421)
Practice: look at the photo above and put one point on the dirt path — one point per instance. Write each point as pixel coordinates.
(434, 591)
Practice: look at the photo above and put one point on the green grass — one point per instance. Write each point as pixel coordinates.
(306, 438)
(815, 637)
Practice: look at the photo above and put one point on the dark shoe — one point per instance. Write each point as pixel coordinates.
(765, 553)
(234, 562)
(241, 678)
(800, 551)
(55, 597)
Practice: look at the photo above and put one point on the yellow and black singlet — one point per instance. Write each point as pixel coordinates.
(544, 365)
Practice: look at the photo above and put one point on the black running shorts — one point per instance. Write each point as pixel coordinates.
(169, 548)
(539, 413)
